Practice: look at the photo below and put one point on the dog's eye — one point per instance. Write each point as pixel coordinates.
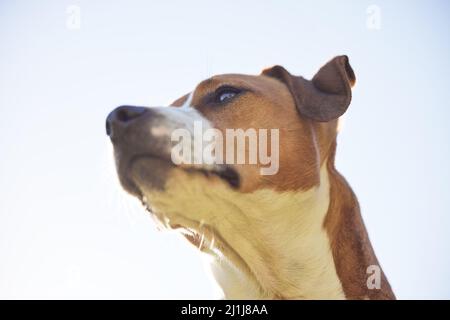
(225, 94)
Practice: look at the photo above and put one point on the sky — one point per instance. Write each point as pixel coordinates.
(66, 228)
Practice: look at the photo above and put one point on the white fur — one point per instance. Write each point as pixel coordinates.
(187, 103)
(266, 244)
(184, 118)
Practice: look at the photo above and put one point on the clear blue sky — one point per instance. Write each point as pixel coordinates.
(66, 229)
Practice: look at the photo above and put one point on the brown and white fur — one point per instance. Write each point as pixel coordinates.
(297, 234)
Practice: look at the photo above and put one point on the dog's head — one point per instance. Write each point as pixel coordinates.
(215, 202)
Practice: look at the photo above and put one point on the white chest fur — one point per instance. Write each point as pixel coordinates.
(301, 262)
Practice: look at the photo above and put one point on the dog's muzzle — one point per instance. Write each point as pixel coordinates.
(142, 143)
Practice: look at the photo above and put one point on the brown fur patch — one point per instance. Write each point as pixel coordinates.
(350, 242)
(266, 104)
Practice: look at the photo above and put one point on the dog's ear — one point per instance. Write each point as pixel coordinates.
(325, 97)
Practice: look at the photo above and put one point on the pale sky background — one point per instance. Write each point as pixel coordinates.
(67, 230)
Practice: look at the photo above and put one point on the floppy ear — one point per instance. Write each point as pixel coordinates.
(325, 97)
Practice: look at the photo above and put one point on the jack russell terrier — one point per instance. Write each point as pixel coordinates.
(294, 232)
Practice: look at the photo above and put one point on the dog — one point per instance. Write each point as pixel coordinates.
(294, 234)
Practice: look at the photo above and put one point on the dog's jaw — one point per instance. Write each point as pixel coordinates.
(266, 244)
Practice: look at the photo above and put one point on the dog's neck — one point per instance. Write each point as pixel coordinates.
(296, 260)
(270, 244)
(315, 247)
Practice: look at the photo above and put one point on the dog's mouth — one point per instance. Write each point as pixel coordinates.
(199, 234)
(226, 173)
(156, 168)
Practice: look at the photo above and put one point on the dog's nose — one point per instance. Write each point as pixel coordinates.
(122, 116)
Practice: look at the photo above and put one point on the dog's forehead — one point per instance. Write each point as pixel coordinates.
(257, 83)
(231, 79)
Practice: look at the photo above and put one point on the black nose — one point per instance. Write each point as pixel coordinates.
(120, 117)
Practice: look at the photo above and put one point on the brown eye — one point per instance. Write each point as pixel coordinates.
(225, 94)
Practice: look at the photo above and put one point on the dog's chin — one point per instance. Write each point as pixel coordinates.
(147, 175)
